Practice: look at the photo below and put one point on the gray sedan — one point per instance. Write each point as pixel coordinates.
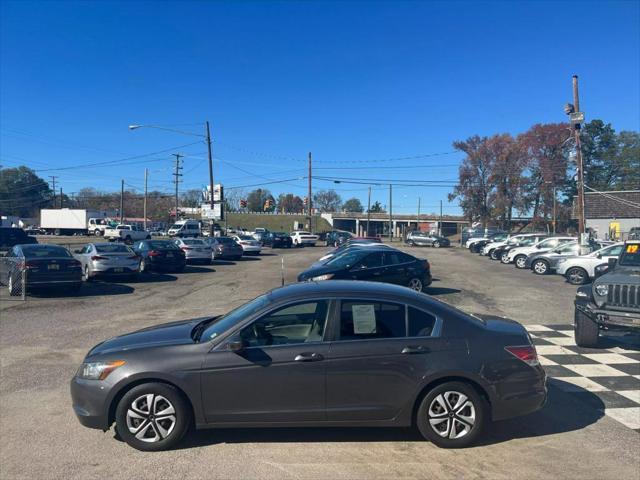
(107, 259)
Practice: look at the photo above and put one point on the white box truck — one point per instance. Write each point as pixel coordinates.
(73, 221)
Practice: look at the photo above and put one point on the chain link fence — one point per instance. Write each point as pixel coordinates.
(13, 277)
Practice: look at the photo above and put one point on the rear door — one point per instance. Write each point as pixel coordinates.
(398, 267)
(381, 352)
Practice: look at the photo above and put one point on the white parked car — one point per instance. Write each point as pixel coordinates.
(195, 249)
(519, 255)
(301, 238)
(512, 240)
(250, 246)
(579, 270)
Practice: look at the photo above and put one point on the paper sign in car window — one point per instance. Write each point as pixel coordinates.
(632, 248)
(364, 319)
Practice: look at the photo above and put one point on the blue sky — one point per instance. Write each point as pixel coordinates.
(351, 82)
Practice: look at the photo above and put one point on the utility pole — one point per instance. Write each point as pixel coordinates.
(440, 222)
(176, 180)
(554, 209)
(61, 197)
(53, 187)
(368, 210)
(144, 205)
(122, 201)
(576, 104)
(310, 201)
(208, 139)
(390, 214)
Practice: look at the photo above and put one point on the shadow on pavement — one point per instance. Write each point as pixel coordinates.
(246, 258)
(196, 269)
(441, 290)
(562, 413)
(153, 277)
(89, 289)
(223, 262)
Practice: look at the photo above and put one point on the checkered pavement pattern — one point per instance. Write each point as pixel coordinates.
(602, 376)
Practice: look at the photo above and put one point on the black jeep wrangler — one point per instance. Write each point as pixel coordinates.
(612, 301)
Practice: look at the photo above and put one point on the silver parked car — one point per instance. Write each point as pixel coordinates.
(195, 249)
(107, 259)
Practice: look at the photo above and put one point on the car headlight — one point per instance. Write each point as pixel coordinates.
(602, 289)
(98, 370)
(327, 276)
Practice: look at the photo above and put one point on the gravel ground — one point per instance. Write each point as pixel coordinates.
(43, 341)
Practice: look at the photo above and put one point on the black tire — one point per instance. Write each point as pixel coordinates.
(13, 286)
(431, 406)
(411, 243)
(577, 276)
(585, 330)
(165, 398)
(520, 261)
(143, 266)
(504, 258)
(493, 254)
(85, 274)
(540, 267)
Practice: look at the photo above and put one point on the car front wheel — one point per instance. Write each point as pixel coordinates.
(493, 254)
(585, 331)
(436, 244)
(505, 258)
(452, 415)
(153, 417)
(521, 261)
(577, 276)
(540, 267)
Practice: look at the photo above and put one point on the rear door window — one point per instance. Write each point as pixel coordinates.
(365, 320)
(420, 323)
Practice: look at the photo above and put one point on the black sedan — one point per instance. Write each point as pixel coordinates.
(335, 238)
(160, 255)
(277, 240)
(40, 266)
(348, 354)
(378, 264)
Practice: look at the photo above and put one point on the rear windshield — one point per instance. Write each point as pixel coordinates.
(43, 251)
(193, 242)
(162, 245)
(245, 237)
(226, 240)
(113, 248)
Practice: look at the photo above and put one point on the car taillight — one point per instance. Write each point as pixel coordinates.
(426, 265)
(75, 264)
(29, 265)
(526, 353)
(98, 257)
(154, 253)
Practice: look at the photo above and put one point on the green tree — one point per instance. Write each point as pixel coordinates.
(22, 192)
(257, 198)
(353, 205)
(377, 208)
(290, 203)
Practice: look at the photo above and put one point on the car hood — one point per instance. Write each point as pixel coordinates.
(621, 275)
(174, 333)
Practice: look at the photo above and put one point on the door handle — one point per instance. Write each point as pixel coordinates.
(414, 350)
(308, 357)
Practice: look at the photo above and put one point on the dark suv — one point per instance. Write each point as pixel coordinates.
(10, 237)
(612, 301)
(336, 238)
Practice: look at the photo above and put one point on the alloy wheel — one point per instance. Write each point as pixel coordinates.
(520, 262)
(436, 244)
(576, 276)
(540, 267)
(151, 418)
(85, 273)
(452, 415)
(415, 284)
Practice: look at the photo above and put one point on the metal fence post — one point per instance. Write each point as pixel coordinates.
(24, 284)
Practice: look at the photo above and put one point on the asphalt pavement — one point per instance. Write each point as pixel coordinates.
(43, 340)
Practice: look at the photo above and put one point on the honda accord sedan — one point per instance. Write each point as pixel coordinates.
(340, 353)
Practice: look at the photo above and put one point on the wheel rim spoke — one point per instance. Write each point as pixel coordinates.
(151, 418)
(452, 415)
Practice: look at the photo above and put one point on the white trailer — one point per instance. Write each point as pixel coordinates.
(72, 221)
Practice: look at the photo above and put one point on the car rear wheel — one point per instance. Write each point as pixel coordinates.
(86, 277)
(541, 267)
(521, 261)
(436, 244)
(13, 286)
(585, 330)
(143, 266)
(152, 417)
(452, 415)
(577, 276)
(493, 254)
(416, 284)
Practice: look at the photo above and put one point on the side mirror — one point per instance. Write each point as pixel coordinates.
(599, 255)
(236, 346)
(601, 270)
(612, 262)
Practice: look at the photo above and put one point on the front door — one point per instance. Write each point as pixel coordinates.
(280, 374)
(368, 268)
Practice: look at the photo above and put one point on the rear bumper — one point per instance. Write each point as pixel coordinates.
(164, 265)
(521, 397)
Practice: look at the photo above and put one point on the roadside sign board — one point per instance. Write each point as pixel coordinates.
(576, 118)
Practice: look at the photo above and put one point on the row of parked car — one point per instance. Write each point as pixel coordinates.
(608, 275)
(547, 254)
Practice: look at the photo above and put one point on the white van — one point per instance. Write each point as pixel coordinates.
(185, 228)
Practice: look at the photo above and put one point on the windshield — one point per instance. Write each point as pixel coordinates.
(175, 226)
(162, 244)
(113, 248)
(41, 251)
(225, 240)
(234, 316)
(569, 247)
(193, 242)
(346, 259)
(630, 256)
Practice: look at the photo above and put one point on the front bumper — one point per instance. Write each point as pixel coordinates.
(609, 318)
(89, 402)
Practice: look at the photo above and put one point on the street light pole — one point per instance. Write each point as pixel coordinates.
(208, 139)
(576, 104)
(390, 214)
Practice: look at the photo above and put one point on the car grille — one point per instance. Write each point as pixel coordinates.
(624, 296)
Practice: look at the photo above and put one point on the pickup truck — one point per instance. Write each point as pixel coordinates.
(126, 233)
